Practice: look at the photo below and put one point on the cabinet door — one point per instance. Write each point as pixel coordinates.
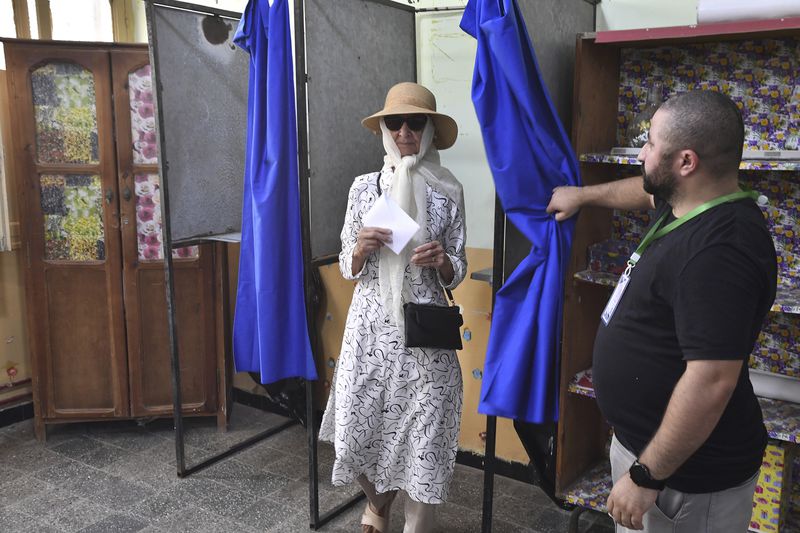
(61, 99)
(143, 265)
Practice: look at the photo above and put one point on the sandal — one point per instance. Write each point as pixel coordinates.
(376, 523)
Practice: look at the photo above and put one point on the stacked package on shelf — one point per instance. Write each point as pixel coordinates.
(610, 256)
(773, 490)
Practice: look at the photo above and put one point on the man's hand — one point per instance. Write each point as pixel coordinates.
(626, 194)
(628, 502)
(565, 202)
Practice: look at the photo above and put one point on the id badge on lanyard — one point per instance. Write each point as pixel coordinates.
(616, 296)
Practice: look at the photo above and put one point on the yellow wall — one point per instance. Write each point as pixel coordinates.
(14, 359)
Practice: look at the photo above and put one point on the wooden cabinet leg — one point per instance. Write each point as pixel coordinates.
(39, 429)
(222, 420)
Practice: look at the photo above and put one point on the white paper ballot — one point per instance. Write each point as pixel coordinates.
(385, 213)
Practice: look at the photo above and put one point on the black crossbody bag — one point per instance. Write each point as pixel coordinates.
(429, 325)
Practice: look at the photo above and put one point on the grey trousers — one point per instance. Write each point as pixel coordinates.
(726, 511)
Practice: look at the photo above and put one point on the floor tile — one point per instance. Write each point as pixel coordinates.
(102, 456)
(518, 510)
(27, 456)
(244, 477)
(159, 506)
(15, 491)
(20, 431)
(76, 446)
(77, 515)
(260, 455)
(112, 491)
(226, 501)
(120, 476)
(62, 469)
(292, 467)
(264, 514)
(141, 467)
(116, 523)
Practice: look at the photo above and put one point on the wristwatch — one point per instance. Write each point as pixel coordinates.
(640, 475)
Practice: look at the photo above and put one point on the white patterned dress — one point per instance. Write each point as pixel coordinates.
(394, 412)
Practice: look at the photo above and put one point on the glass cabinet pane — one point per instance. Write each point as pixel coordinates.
(72, 207)
(148, 221)
(143, 122)
(65, 112)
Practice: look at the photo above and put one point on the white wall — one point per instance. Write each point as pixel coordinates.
(445, 60)
(629, 14)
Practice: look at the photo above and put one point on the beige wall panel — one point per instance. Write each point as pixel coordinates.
(14, 357)
(14, 360)
(475, 299)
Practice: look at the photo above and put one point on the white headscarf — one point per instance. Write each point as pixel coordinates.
(409, 175)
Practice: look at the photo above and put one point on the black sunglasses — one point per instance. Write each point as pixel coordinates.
(415, 122)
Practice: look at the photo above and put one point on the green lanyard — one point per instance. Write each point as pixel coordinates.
(656, 233)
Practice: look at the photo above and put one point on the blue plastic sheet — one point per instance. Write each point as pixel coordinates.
(270, 331)
(529, 155)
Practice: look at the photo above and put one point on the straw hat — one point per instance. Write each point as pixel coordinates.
(408, 98)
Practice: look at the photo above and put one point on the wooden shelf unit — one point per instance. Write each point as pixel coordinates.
(582, 476)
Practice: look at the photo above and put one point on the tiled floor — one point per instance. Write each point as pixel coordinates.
(120, 477)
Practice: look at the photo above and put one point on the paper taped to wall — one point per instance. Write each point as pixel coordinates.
(710, 11)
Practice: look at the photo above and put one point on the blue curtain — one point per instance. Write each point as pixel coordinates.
(529, 154)
(270, 332)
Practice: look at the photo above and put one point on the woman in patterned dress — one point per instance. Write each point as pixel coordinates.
(394, 412)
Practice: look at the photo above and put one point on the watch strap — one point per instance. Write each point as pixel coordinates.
(640, 475)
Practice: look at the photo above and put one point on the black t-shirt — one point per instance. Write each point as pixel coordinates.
(700, 292)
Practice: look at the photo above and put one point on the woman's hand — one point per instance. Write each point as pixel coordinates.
(432, 255)
(369, 239)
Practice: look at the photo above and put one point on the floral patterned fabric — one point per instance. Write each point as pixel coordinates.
(66, 115)
(148, 221)
(761, 76)
(143, 123)
(72, 207)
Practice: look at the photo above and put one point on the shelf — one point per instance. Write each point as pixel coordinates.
(751, 164)
(597, 278)
(592, 489)
(787, 298)
(781, 418)
(581, 384)
(483, 275)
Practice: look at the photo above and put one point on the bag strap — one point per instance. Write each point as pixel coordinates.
(450, 296)
(449, 293)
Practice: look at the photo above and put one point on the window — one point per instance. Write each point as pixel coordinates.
(34, 20)
(81, 20)
(7, 27)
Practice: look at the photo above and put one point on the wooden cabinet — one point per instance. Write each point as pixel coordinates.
(757, 66)
(86, 168)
